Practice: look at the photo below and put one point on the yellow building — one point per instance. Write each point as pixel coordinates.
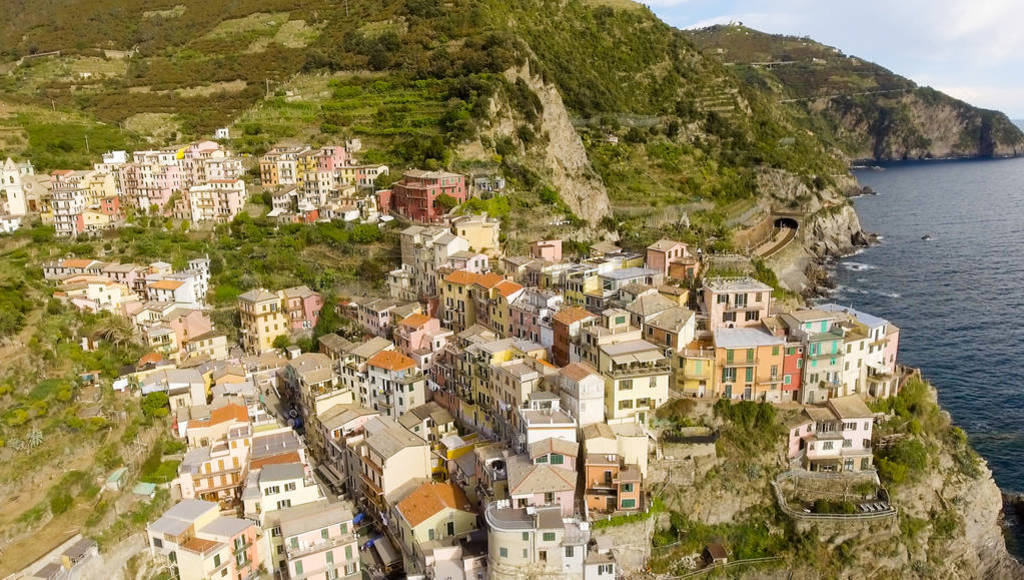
(693, 369)
(434, 513)
(481, 232)
(262, 320)
(465, 299)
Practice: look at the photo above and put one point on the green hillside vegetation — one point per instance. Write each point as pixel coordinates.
(856, 105)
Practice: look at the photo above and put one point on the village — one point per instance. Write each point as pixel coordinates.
(479, 420)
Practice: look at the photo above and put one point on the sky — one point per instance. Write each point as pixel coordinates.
(970, 49)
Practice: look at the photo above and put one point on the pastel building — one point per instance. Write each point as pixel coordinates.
(833, 437)
(319, 541)
(415, 195)
(202, 544)
(735, 302)
(750, 362)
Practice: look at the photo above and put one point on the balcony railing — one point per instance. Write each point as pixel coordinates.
(639, 370)
(327, 544)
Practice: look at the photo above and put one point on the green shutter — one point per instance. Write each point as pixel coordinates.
(750, 374)
(628, 503)
(298, 567)
(348, 552)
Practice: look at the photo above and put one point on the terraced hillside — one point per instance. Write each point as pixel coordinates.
(867, 110)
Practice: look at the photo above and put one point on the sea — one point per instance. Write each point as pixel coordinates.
(949, 271)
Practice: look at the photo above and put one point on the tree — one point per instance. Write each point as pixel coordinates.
(154, 405)
(282, 341)
(329, 319)
(446, 202)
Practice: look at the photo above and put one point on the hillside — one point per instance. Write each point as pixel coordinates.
(538, 90)
(866, 110)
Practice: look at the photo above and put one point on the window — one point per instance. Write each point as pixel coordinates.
(729, 317)
(788, 379)
(295, 543)
(626, 385)
(605, 569)
(867, 425)
(158, 543)
(280, 550)
(298, 567)
(343, 528)
(272, 490)
(827, 445)
(526, 536)
(557, 459)
(285, 503)
(430, 534)
(503, 552)
(216, 560)
(847, 443)
(628, 503)
(549, 536)
(729, 355)
(627, 404)
(324, 533)
(568, 551)
(549, 497)
(348, 553)
(728, 375)
(289, 486)
(752, 315)
(542, 459)
(723, 298)
(748, 374)
(627, 487)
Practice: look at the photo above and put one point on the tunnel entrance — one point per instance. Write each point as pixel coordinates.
(787, 222)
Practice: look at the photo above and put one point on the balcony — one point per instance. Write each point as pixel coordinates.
(747, 362)
(635, 370)
(328, 544)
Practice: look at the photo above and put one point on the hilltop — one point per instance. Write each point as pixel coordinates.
(864, 109)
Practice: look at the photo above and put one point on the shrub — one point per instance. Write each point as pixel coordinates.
(154, 405)
(282, 341)
(60, 502)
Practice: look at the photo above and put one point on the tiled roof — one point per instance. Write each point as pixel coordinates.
(414, 320)
(430, 499)
(391, 360)
(507, 288)
(166, 284)
(526, 478)
(578, 371)
(573, 314)
(553, 445)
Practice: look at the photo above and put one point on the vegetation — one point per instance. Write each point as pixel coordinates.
(750, 428)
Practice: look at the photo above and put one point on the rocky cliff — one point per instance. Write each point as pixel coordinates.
(917, 124)
(867, 111)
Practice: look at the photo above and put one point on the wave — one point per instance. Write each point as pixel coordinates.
(858, 266)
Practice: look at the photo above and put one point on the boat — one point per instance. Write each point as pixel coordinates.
(926, 237)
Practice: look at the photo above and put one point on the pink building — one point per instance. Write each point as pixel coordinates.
(188, 324)
(672, 259)
(302, 307)
(531, 315)
(319, 541)
(420, 337)
(538, 479)
(415, 195)
(203, 544)
(735, 302)
(834, 437)
(550, 250)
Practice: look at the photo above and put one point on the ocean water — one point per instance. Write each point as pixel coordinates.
(958, 297)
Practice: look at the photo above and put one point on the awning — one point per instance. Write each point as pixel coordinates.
(388, 555)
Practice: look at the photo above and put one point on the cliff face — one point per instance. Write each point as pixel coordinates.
(867, 111)
(917, 124)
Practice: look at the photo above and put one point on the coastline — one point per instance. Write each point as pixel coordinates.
(1009, 515)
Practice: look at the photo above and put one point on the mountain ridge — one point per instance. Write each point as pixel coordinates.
(864, 109)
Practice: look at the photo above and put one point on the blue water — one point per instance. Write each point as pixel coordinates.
(958, 297)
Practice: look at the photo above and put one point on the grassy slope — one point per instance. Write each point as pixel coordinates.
(862, 91)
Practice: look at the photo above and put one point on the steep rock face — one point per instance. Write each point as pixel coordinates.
(833, 232)
(563, 158)
(919, 124)
(557, 155)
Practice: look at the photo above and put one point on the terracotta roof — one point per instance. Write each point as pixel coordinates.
(224, 414)
(290, 457)
(391, 360)
(507, 288)
(199, 545)
(415, 320)
(490, 280)
(430, 499)
(153, 357)
(166, 284)
(76, 263)
(573, 314)
(578, 371)
(461, 277)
